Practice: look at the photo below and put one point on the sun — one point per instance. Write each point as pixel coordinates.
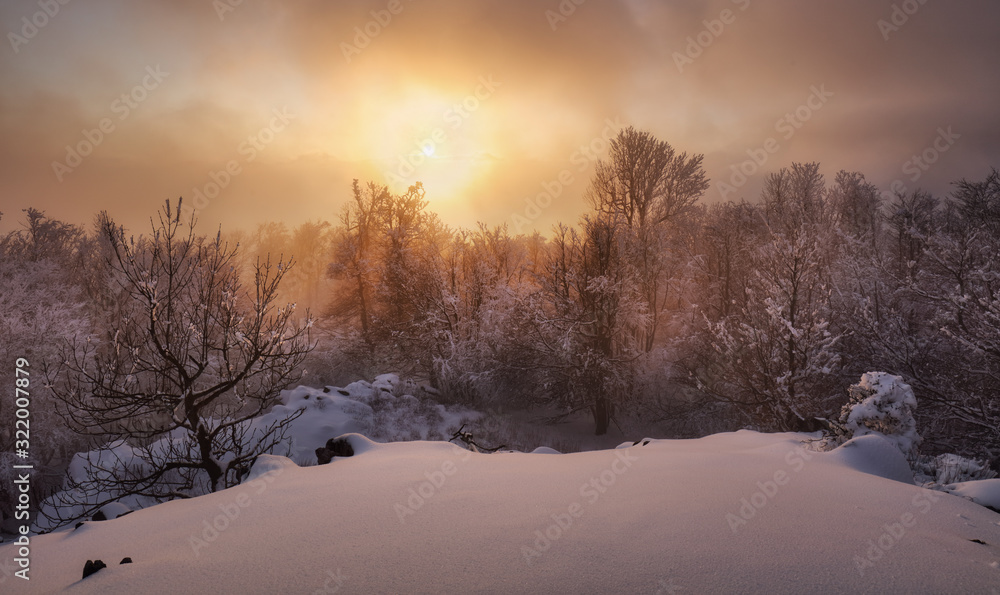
(411, 134)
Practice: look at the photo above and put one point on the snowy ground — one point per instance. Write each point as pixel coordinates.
(730, 513)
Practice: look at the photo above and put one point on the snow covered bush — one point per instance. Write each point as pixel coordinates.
(951, 468)
(881, 404)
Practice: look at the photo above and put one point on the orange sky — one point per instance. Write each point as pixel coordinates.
(258, 110)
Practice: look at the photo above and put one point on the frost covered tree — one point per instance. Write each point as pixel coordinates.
(590, 320)
(779, 352)
(356, 246)
(645, 186)
(390, 260)
(958, 284)
(170, 388)
(730, 232)
(911, 221)
(42, 303)
(645, 181)
(485, 304)
(922, 299)
(855, 205)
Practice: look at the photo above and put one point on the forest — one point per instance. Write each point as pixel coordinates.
(658, 308)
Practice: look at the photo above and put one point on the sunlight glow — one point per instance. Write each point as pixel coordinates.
(417, 132)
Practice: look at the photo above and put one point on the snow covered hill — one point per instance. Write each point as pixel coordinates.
(730, 513)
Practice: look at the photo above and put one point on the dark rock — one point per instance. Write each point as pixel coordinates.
(335, 447)
(340, 447)
(78, 525)
(92, 566)
(326, 389)
(323, 456)
(343, 392)
(100, 516)
(125, 560)
(806, 424)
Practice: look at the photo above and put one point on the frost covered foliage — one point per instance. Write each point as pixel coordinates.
(776, 356)
(951, 468)
(882, 404)
(42, 303)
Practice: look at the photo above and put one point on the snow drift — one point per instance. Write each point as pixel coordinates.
(736, 512)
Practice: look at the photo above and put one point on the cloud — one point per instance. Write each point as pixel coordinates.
(560, 80)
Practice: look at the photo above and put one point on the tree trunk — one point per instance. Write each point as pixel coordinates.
(602, 415)
(207, 460)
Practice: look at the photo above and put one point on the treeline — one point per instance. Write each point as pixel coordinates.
(701, 317)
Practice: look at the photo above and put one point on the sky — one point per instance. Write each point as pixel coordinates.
(257, 110)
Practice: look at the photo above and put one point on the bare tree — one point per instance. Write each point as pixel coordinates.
(586, 331)
(355, 252)
(172, 387)
(645, 181)
(645, 184)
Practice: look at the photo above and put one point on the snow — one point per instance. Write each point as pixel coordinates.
(326, 415)
(883, 401)
(366, 408)
(360, 407)
(734, 512)
(874, 455)
(985, 491)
